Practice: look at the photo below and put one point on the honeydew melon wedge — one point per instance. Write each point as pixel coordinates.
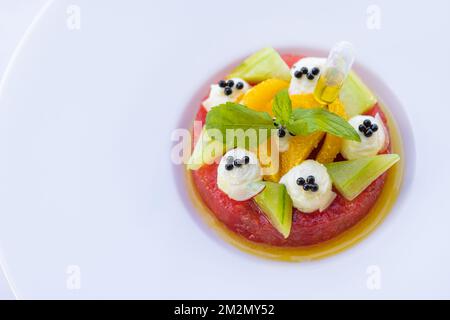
(206, 150)
(275, 202)
(356, 96)
(262, 65)
(352, 177)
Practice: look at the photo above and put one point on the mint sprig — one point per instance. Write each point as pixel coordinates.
(282, 107)
(239, 118)
(306, 121)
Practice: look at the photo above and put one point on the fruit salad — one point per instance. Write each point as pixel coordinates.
(278, 166)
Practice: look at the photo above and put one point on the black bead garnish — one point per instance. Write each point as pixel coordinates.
(231, 162)
(309, 184)
(301, 181)
(374, 127)
(275, 124)
(310, 76)
(298, 74)
(227, 91)
(362, 128)
(304, 70)
(368, 128)
(240, 85)
(281, 132)
(230, 83)
(315, 71)
(222, 83)
(229, 165)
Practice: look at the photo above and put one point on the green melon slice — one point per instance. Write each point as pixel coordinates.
(262, 65)
(356, 96)
(351, 177)
(206, 150)
(275, 202)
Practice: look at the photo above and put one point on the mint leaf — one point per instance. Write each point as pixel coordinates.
(282, 107)
(237, 123)
(307, 121)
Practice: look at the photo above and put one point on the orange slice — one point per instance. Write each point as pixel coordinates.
(332, 144)
(258, 97)
(270, 166)
(305, 101)
(300, 148)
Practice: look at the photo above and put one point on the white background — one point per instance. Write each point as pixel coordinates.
(15, 17)
(124, 250)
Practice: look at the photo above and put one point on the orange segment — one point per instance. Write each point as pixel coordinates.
(264, 154)
(332, 144)
(299, 149)
(258, 97)
(305, 101)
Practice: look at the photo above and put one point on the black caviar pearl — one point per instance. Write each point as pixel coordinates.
(227, 91)
(306, 187)
(315, 71)
(230, 83)
(298, 74)
(229, 166)
(314, 188)
(362, 128)
(367, 123)
(237, 163)
(310, 76)
(374, 127)
(239, 85)
(246, 160)
(304, 70)
(222, 83)
(275, 124)
(310, 179)
(300, 181)
(368, 133)
(281, 133)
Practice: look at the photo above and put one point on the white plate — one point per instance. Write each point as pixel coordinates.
(87, 188)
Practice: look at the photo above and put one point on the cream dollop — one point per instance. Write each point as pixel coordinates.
(309, 201)
(369, 146)
(217, 94)
(303, 85)
(239, 182)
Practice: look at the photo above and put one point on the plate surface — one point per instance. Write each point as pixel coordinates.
(89, 205)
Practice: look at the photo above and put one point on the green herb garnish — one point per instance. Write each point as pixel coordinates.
(282, 107)
(238, 123)
(234, 120)
(306, 121)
